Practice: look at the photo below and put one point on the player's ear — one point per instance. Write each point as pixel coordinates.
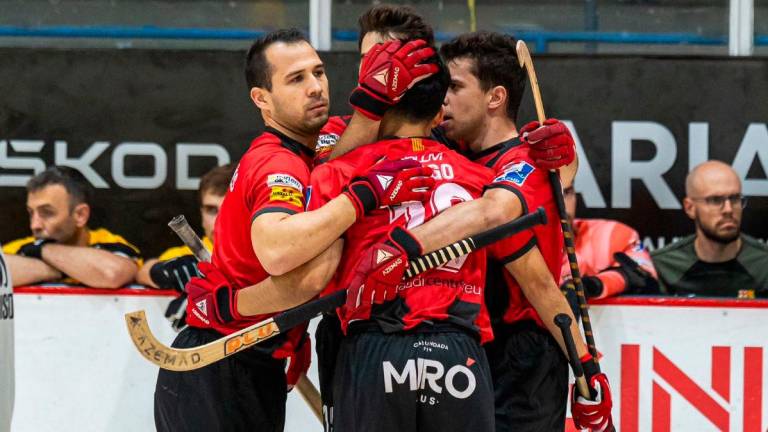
(438, 118)
(689, 208)
(498, 97)
(261, 98)
(81, 213)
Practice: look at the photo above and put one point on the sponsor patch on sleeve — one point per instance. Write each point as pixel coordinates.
(287, 194)
(284, 180)
(515, 173)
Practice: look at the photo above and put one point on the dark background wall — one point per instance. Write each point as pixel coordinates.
(82, 101)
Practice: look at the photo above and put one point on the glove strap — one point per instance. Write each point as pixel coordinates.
(367, 104)
(406, 241)
(225, 300)
(363, 196)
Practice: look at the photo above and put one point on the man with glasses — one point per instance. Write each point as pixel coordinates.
(719, 260)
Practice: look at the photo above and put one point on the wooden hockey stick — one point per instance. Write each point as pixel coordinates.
(524, 57)
(186, 359)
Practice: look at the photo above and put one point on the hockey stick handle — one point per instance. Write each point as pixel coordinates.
(564, 322)
(307, 311)
(181, 227)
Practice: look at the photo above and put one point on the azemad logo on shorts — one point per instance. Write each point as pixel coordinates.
(515, 173)
(419, 374)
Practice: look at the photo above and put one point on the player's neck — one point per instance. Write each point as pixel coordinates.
(711, 251)
(497, 129)
(81, 238)
(309, 141)
(404, 129)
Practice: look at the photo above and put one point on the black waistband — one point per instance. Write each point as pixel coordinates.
(359, 327)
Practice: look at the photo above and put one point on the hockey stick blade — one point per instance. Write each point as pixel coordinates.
(186, 359)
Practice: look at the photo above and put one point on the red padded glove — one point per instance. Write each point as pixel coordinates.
(378, 272)
(212, 301)
(388, 183)
(300, 361)
(551, 144)
(388, 70)
(593, 415)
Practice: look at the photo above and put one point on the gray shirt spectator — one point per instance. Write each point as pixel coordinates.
(719, 260)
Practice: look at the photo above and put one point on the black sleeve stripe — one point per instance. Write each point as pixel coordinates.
(514, 191)
(118, 248)
(272, 210)
(520, 252)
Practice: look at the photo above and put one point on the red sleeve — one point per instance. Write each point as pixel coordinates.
(521, 179)
(278, 186)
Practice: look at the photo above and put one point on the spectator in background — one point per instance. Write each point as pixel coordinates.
(719, 260)
(174, 267)
(62, 247)
(611, 257)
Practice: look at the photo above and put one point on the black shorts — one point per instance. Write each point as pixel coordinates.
(328, 338)
(244, 392)
(434, 379)
(530, 378)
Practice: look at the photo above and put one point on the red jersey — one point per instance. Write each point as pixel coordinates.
(452, 292)
(596, 242)
(271, 177)
(516, 172)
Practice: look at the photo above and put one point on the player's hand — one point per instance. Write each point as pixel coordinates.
(378, 272)
(174, 273)
(388, 183)
(176, 312)
(551, 144)
(388, 70)
(300, 361)
(593, 414)
(211, 299)
(35, 248)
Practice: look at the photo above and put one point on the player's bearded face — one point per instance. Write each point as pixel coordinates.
(299, 95)
(464, 105)
(51, 215)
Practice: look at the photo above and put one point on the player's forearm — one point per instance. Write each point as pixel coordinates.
(28, 271)
(539, 287)
(549, 301)
(283, 243)
(277, 293)
(143, 277)
(468, 218)
(360, 130)
(93, 267)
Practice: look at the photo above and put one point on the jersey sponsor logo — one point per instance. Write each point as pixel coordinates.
(286, 180)
(419, 374)
(326, 142)
(515, 173)
(287, 194)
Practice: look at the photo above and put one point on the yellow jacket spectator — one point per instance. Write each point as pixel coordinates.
(62, 247)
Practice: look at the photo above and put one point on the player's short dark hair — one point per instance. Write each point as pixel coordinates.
(495, 63)
(394, 20)
(423, 101)
(216, 181)
(258, 71)
(74, 182)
